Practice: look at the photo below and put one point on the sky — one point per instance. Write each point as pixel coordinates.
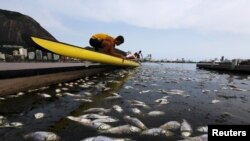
(167, 29)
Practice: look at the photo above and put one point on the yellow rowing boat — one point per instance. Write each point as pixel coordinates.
(81, 53)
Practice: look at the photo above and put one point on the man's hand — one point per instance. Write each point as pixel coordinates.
(123, 58)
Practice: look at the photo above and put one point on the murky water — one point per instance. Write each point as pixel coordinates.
(198, 96)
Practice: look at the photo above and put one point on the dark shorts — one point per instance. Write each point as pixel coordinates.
(97, 44)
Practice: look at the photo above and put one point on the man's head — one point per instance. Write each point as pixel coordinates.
(119, 40)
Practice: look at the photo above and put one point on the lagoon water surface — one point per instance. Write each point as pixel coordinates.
(155, 93)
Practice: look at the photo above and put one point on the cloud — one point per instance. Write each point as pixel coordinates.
(199, 15)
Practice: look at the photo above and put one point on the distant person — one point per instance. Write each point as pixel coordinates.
(107, 43)
(138, 55)
(131, 56)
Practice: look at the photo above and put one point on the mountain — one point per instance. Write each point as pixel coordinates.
(16, 29)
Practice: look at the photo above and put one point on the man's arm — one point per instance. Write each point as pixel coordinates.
(109, 49)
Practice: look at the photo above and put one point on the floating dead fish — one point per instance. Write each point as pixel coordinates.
(83, 121)
(134, 121)
(162, 101)
(146, 91)
(97, 110)
(123, 130)
(136, 111)
(84, 86)
(83, 100)
(2, 98)
(58, 95)
(106, 120)
(42, 136)
(16, 124)
(60, 85)
(113, 97)
(171, 125)
(90, 83)
(215, 101)
(128, 87)
(65, 89)
(87, 93)
(141, 105)
(118, 108)
(58, 90)
(239, 89)
(39, 115)
(115, 94)
(156, 113)
(198, 138)
(45, 95)
(136, 102)
(205, 91)
(186, 129)
(100, 126)
(232, 86)
(173, 92)
(154, 132)
(202, 129)
(103, 138)
(94, 116)
(20, 93)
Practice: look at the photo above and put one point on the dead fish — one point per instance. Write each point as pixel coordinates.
(118, 108)
(154, 132)
(65, 89)
(113, 97)
(186, 129)
(20, 93)
(232, 86)
(146, 91)
(134, 121)
(205, 91)
(162, 101)
(136, 102)
(87, 93)
(97, 110)
(156, 113)
(42, 136)
(129, 87)
(45, 95)
(239, 89)
(39, 115)
(85, 86)
(141, 105)
(123, 129)
(106, 120)
(83, 100)
(104, 138)
(83, 121)
(94, 116)
(202, 129)
(136, 111)
(174, 92)
(215, 101)
(100, 126)
(171, 125)
(16, 124)
(58, 90)
(198, 138)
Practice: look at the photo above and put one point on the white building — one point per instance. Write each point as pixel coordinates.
(2, 56)
(23, 52)
(15, 52)
(49, 55)
(39, 55)
(56, 57)
(31, 55)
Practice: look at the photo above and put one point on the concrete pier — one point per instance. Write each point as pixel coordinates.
(225, 67)
(16, 77)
